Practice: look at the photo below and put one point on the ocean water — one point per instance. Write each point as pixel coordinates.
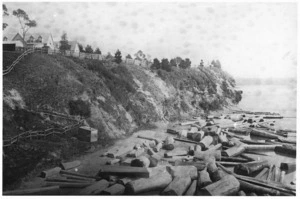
(278, 98)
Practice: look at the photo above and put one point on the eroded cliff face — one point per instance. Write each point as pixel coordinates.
(115, 99)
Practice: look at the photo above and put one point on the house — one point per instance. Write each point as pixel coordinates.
(74, 46)
(39, 40)
(10, 40)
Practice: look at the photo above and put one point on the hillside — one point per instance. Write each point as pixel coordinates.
(115, 99)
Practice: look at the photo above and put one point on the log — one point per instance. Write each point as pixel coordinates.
(156, 182)
(69, 184)
(270, 173)
(172, 131)
(183, 133)
(235, 150)
(169, 140)
(168, 147)
(192, 189)
(233, 159)
(261, 147)
(116, 189)
(287, 140)
(227, 186)
(117, 152)
(191, 150)
(95, 188)
(286, 150)
(77, 174)
(197, 148)
(64, 179)
(176, 152)
(241, 193)
(246, 186)
(35, 191)
(181, 171)
(70, 165)
(203, 179)
(244, 155)
(215, 147)
(240, 131)
(178, 186)
(282, 175)
(250, 167)
(206, 141)
(262, 133)
(202, 155)
(193, 129)
(112, 161)
(199, 165)
(126, 162)
(188, 123)
(288, 167)
(276, 174)
(157, 147)
(123, 171)
(136, 153)
(124, 181)
(228, 163)
(252, 194)
(71, 177)
(140, 162)
(262, 173)
(187, 141)
(50, 172)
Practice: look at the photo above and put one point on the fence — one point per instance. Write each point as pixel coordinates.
(80, 55)
(43, 133)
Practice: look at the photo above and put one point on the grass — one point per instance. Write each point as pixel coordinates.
(9, 58)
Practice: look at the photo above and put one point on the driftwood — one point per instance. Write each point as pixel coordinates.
(203, 179)
(206, 141)
(172, 131)
(64, 179)
(202, 155)
(156, 182)
(178, 186)
(50, 172)
(39, 191)
(123, 171)
(282, 176)
(233, 159)
(113, 161)
(176, 152)
(187, 141)
(153, 161)
(246, 186)
(262, 133)
(95, 188)
(192, 189)
(270, 172)
(252, 194)
(116, 189)
(77, 174)
(140, 162)
(261, 147)
(240, 131)
(136, 153)
(70, 165)
(276, 174)
(288, 167)
(227, 186)
(241, 193)
(181, 171)
(69, 184)
(158, 147)
(199, 165)
(262, 173)
(286, 150)
(148, 138)
(250, 167)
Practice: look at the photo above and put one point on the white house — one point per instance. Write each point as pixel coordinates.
(39, 40)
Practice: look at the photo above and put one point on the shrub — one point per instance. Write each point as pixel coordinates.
(79, 107)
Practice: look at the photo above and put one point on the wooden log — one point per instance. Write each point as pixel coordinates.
(156, 182)
(246, 186)
(176, 152)
(123, 171)
(113, 161)
(192, 189)
(250, 167)
(235, 150)
(215, 147)
(136, 153)
(178, 186)
(202, 155)
(50, 172)
(168, 147)
(169, 140)
(246, 156)
(140, 162)
(288, 167)
(35, 191)
(187, 141)
(252, 194)
(181, 171)
(241, 193)
(240, 131)
(227, 186)
(288, 140)
(153, 161)
(188, 123)
(262, 173)
(276, 174)
(282, 175)
(191, 150)
(270, 172)
(126, 162)
(286, 150)
(197, 148)
(70, 165)
(203, 179)
(69, 184)
(148, 138)
(77, 174)
(116, 189)
(124, 181)
(199, 165)
(193, 129)
(229, 163)
(183, 133)
(172, 131)
(157, 147)
(206, 141)
(233, 159)
(116, 152)
(262, 133)
(95, 188)
(64, 179)
(261, 147)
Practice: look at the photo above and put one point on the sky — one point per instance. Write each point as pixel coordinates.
(254, 40)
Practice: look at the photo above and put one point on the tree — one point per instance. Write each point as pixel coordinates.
(201, 63)
(89, 49)
(25, 22)
(165, 65)
(128, 56)
(97, 51)
(185, 63)
(156, 64)
(140, 55)
(64, 44)
(216, 63)
(5, 13)
(118, 56)
(80, 46)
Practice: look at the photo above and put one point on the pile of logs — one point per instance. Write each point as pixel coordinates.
(207, 160)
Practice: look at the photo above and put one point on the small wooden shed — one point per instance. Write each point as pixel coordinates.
(87, 134)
